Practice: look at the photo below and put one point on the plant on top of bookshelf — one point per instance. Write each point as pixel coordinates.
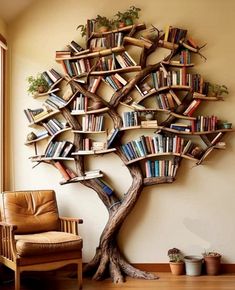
(217, 90)
(103, 23)
(127, 17)
(169, 96)
(37, 84)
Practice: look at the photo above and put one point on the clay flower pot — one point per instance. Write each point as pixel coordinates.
(212, 264)
(177, 268)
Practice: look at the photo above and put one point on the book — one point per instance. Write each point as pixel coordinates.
(62, 170)
(113, 135)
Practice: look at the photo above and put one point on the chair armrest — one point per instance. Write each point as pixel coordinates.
(7, 241)
(70, 225)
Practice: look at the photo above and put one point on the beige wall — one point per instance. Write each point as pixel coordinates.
(3, 28)
(194, 213)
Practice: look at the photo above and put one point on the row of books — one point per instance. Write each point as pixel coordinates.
(181, 127)
(76, 67)
(79, 104)
(88, 144)
(115, 81)
(53, 126)
(105, 186)
(51, 76)
(65, 171)
(58, 149)
(160, 168)
(204, 123)
(146, 145)
(174, 34)
(115, 61)
(107, 41)
(55, 101)
(130, 119)
(165, 101)
(92, 123)
(34, 115)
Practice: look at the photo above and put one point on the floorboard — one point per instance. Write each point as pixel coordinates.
(166, 281)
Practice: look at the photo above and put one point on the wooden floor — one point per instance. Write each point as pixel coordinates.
(165, 282)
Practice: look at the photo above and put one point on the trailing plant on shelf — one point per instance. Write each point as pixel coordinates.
(37, 84)
(103, 23)
(217, 90)
(127, 17)
(83, 29)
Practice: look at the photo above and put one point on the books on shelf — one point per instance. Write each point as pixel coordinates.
(107, 41)
(192, 107)
(92, 123)
(53, 126)
(55, 101)
(113, 135)
(94, 84)
(58, 149)
(80, 104)
(130, 119)
(180, 127)
(204, 123)
(174, 34)
(51, 76)
(93, 173)
(34, 115)
(75, 46)
(105, 186)
(160, 168)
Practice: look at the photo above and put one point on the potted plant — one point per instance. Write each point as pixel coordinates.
(83, 29)
(216, 90)
(176, 261)
(37, 84)
(127, 17)
(193, 265)
(212, 262)
(103, 23)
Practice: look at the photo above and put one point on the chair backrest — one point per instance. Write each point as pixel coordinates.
(31, 211)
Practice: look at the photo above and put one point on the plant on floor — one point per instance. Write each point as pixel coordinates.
(212, 262)
(176, 261)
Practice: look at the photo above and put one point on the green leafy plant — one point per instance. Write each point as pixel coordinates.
(218, 90)
(128, 16)
(37, 84)
(83, 29)
(175, 255)
(103, 21)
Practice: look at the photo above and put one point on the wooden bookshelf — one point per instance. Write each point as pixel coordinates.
(54, 112)
(93, 152)
(158, 180)
(36, 140)
(81, 112)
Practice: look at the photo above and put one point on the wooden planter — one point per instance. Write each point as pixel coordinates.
(177, 268)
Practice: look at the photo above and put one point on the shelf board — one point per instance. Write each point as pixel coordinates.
(82, 112)
(59, 132)
(182, 116)
(80, 178)
(122, 29)
(118, 70)
(89, 132)
(38, 158)
(170, 63)
(160, 154)
(138, 127)
(44, 117)
(206, 98)
(93, 152)
(36, 140)
(158, 180)
(38, 95)
(100, 53)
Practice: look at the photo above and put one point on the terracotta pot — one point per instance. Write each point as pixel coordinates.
(41, 89)
(121, 24)
(103, 29)
(212, 264)
(177, 268)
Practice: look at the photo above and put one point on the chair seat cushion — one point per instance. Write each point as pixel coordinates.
(47, 243)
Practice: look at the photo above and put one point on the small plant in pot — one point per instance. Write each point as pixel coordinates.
(103, 23)
(212, 262)
(176, 261)
(127, 17)
(37, 85)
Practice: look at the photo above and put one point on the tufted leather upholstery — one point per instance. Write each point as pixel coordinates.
(31, 212)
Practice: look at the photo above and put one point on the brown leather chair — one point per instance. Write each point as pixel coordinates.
(33, 237)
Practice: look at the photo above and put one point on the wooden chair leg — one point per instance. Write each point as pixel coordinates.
(79, 270)
(17, 279)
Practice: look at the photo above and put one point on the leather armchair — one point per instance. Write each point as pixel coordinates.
(33, 237)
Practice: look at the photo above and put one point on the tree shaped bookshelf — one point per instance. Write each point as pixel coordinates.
(174, 91)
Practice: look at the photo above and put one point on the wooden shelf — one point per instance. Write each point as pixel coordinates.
(54, 112)
(206, 98)
(118, 70)
(81, 112)
(170, 63)
(89, 132)
(158, 180)
(36, 140)
(80, 178)
(123, 29)
(93, 152)
(128, 162)
(39, 158)
(57, 133)
(182, 116)
(100, 53)
(144, 110)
